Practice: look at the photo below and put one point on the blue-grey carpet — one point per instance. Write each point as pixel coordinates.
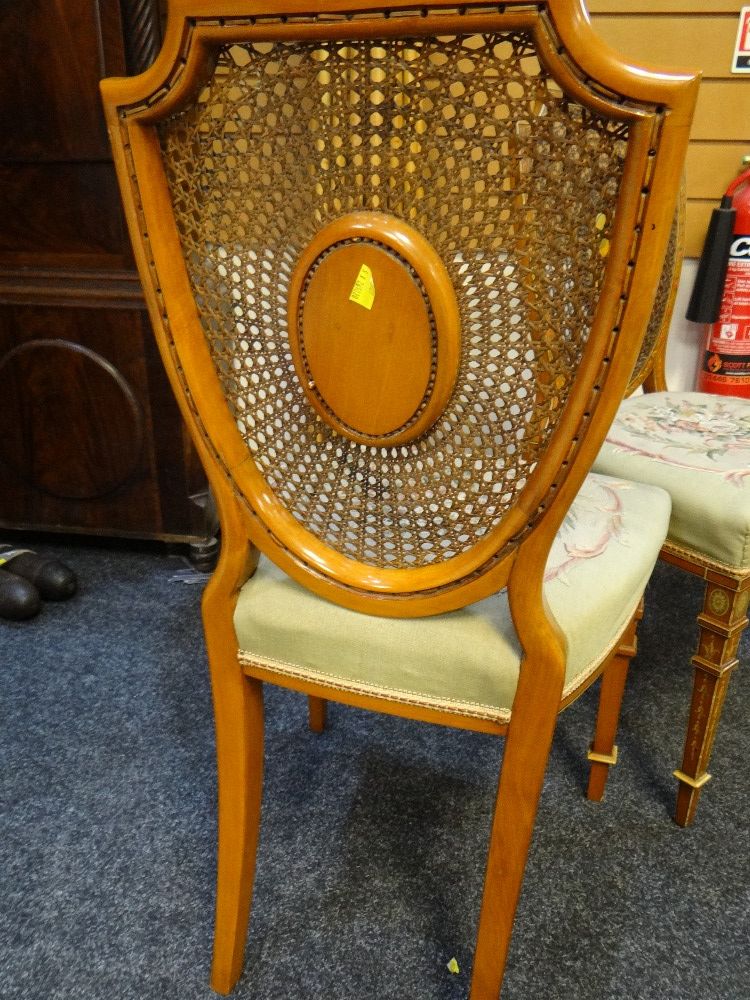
(374, 834)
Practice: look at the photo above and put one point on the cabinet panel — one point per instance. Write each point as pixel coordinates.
(712, 165)
(91, 439)
(90, 435)
(57, 214)
(682, 7)
(51, 58)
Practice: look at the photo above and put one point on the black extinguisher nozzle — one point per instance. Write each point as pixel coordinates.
(705, 302)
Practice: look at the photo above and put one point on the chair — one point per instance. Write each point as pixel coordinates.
(399, 259)
(697, 447)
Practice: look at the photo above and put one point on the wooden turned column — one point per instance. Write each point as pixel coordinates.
(721, 624)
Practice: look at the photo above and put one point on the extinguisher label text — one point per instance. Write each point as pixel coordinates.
(728, 345)
(727, 370)
(726, 363)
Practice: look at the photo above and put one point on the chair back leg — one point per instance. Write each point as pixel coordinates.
(603, 751)
(316, 713)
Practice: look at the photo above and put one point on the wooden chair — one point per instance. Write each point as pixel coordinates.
(697, 447)
(399, 258)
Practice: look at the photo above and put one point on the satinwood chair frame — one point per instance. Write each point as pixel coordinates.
(649, 112)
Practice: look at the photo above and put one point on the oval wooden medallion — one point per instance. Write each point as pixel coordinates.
(374, 329)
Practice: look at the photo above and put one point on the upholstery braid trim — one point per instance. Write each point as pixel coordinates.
(705, 562)
(455, 706)
(401, 695)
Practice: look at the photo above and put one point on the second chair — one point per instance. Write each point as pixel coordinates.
(697, 447)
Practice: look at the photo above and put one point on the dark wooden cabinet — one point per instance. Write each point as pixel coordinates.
(90, 437)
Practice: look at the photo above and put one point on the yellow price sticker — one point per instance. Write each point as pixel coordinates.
(363, 292)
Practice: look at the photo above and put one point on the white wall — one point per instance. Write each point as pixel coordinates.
(686, 339)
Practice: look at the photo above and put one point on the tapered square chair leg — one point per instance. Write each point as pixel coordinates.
(721, 625)
(240, 777)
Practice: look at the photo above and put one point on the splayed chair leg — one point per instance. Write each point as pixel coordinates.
(239, 747)
(238, 717)
(603, 752)
(317, 711)
(525, 759)
(721, 624)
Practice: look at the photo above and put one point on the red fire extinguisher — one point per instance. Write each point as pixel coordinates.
(724, 278)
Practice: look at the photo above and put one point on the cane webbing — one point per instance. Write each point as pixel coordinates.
(661, 312)
(470, 141)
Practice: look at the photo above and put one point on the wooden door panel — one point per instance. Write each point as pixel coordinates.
(91, 439)
(51, 53)
(61, 214)
(89, 433)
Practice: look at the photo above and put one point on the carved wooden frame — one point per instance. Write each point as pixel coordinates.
(650, 369)
(658, 109)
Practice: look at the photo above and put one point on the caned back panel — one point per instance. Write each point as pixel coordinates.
(469, 140)
(653, 349)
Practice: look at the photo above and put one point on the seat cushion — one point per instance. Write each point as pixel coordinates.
(467, 661)
(697, 447)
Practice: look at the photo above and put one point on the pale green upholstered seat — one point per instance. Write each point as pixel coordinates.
(697, 447)
(468, 660)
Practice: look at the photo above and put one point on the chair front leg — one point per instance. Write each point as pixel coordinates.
(603, 752)
(721, 625)
(238, 718)
(239, 752)
(525, 757)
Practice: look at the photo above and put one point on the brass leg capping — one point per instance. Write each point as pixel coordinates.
(603, 758)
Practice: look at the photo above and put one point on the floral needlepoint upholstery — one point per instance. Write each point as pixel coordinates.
(697, 447)
(468, 660)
